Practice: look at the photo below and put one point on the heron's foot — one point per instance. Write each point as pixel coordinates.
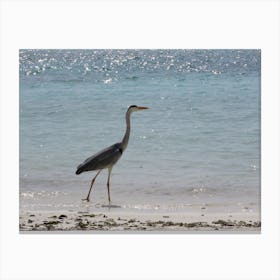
(85, 199)
(110, 206)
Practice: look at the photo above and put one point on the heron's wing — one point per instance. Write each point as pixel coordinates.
(102, 159)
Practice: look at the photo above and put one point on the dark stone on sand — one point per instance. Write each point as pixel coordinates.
(82, 225)
(30, 221)
(224, 223)
(51, 222)
(190, 224)
(243, 224)
(196, 224)
(257, 224)
(110, 222)
(149, 223)
(159, 222)
(89, 215)
(62, 216)
(169, 223)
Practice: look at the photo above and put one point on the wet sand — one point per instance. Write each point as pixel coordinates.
(137, 222)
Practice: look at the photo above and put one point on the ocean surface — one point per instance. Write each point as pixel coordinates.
(198, 145)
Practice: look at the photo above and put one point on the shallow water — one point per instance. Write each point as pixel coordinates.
(199, 144)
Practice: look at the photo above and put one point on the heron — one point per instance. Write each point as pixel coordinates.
(109, 156)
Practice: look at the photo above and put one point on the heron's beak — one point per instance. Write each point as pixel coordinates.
(142, 108)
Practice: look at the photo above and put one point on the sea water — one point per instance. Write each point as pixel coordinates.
(198, 144)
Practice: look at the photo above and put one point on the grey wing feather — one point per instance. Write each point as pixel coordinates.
(102, 159)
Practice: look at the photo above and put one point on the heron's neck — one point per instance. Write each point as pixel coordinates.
(127, 133)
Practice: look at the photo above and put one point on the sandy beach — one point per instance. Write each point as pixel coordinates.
(135, 222)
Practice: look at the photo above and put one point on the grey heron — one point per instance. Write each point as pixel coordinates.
(108, 157)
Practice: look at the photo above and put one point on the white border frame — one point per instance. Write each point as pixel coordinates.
(135, 24)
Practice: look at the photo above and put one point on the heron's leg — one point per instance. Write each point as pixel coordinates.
(108, 183)
(92, 185)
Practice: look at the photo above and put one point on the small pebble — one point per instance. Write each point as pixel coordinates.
(62, 216)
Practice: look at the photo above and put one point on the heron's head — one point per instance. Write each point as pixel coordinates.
(134, 108)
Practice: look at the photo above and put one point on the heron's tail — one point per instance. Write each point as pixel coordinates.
(79, 169)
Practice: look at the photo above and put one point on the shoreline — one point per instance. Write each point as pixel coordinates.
(102, 222)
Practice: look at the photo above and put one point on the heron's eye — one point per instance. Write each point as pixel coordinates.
(133, 106)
